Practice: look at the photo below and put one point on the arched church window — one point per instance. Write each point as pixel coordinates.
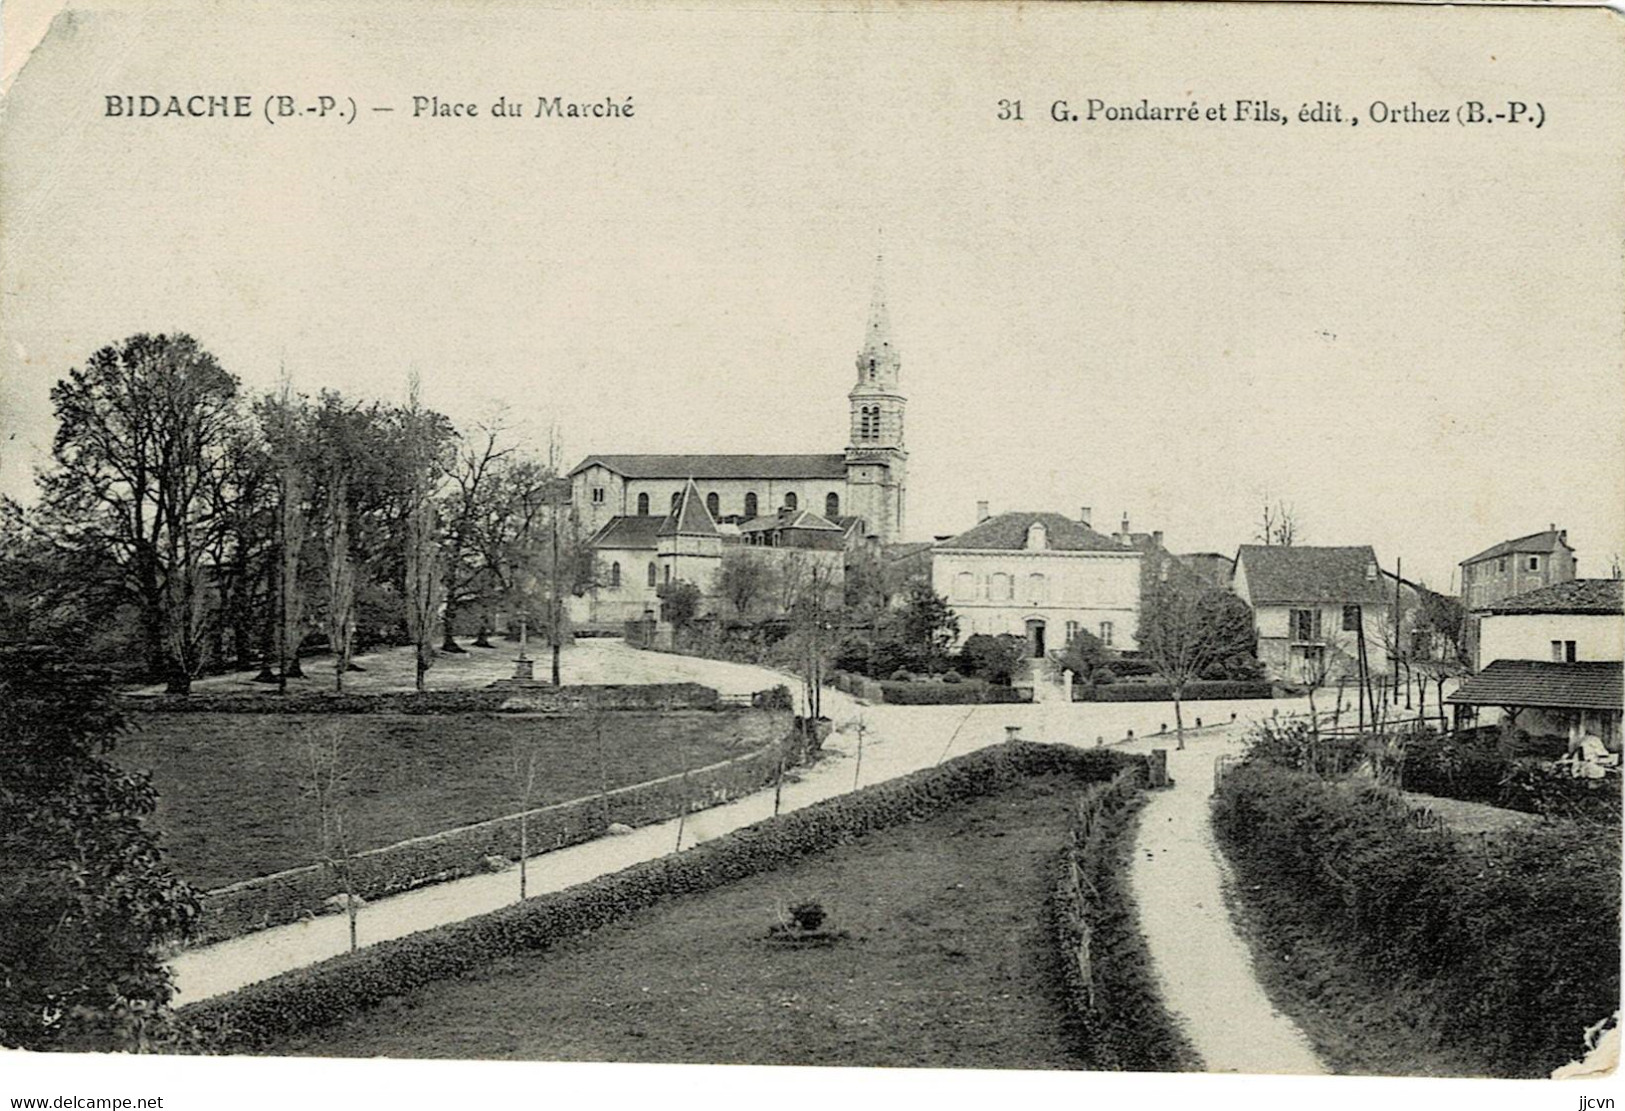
(643, 505)
(750, 505)
(714, 505)
(789, 501)
(615, 575)
(676, 499)
(652, 574)
(832, 505)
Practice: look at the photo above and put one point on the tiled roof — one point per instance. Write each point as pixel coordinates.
(720, 466)
(1008, 531)
(790, 519)
(1587, 685)
(1277, 574)
(905, 550)
(628, 532)
(691, 518)
(1535, 542)
(1574, 596)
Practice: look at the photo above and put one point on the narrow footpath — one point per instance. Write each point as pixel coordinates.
(1204, 967)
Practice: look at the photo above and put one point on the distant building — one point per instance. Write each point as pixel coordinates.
(1516, 567)
(1309, 605)
(636, 556)
(1209, 568)
(1041, 576)
(1549, 699)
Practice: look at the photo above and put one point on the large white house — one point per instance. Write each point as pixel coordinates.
(1041, 576)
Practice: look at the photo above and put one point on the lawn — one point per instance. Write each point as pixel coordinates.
(230, 804)
(950, 962)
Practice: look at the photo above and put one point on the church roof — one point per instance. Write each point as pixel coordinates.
(1009, 531)
(720, 466)
(690, 518)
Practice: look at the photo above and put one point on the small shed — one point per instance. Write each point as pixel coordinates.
(1550, 698)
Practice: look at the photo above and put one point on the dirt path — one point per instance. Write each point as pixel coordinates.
(1204, 967)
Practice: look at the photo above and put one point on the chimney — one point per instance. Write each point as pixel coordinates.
(1084, 516)
(1156, 538)
(1125, 522)
(981, 512)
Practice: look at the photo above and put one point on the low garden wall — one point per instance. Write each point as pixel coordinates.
(506, 698)
(324, 993)
(1113, 1006)
(1509, 944)
(287, 896)
(900, 692)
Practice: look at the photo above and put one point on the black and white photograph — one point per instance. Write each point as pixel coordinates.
(945, 551)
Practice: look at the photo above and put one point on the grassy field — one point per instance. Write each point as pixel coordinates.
(950, 962)
(229, 785)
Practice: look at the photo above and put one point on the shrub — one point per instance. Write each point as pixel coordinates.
(995, 659)
(1103, 677)
(1512, 942)
(1198, 691)
(952, 677)
(316, 996)
(1114, 1011)
(902, 675)
(947, 694)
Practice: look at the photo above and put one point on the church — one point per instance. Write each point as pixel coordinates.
(656, 518)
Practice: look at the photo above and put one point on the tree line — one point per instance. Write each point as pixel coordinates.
(186, 525)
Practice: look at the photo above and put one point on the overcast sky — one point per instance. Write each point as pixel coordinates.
(1410, 332)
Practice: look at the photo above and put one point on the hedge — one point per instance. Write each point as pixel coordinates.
(494, 699)
(1201, 690)
(1114, 1009)
(948, 694)
(324, 993)
(1511, 941)
(290, 895)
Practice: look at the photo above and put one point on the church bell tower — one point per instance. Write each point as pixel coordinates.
(876, 459)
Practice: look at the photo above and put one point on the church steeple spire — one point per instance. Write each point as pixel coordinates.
(878, 362)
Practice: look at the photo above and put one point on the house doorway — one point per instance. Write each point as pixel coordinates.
(1035, 638)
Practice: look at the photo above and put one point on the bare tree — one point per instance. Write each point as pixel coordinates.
(420, 540)
(1185, 628)
(340, 579)
(476, 488)
(325, 786)
(1278, 524)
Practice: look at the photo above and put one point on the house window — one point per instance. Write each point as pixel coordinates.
(964, 586)
(615, 576)
(1351, 618)
(750, 505)
(1306, 624)
(643, 505)
(1501, 565)
(1563, 651)
(1534, 563)
(1001, 587)
(832, 505)
(598, 495)
(1037, 588)
(1106, 633)
(652, 575)
(789, 501)
(1071, 631)
(714, 505)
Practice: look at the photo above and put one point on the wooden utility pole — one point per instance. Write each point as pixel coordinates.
(1360, 661)
(1399, 565)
